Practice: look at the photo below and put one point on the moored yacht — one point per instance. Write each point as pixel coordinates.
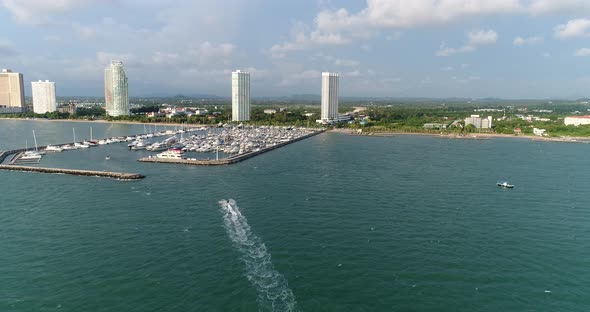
(53, 148)
(170, 155)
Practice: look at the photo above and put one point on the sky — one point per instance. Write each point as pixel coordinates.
(512, 49)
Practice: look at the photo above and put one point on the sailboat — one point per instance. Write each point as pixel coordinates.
(78, 145)
(91, 142)
(36, 147)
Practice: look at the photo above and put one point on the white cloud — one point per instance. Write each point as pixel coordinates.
(520, 41)
(301, 41)
(574, 28)
(409, 14)
(583, 52)
(476, 38)
(539, 7)
(447, 68)
(39, 11)
(344, 62)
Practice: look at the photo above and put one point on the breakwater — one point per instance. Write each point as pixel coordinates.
(229, 160)
(92, 173)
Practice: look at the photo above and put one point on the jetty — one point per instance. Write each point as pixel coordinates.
(228, 160)
(90, 173)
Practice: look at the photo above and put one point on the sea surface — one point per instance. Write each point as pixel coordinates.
(330, 223)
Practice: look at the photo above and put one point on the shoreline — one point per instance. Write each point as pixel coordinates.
(123, 122)
(473, 136)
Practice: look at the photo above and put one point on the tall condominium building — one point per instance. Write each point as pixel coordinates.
(240, 96)
(116, 91)
(12, 90)
(479, 122)
(43, 96)
(329, 97)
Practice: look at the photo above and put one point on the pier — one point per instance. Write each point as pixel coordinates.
(225, 161)
(90, 173)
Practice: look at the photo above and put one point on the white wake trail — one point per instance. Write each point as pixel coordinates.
(271, 286)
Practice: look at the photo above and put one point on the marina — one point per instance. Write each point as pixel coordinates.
(205, 146)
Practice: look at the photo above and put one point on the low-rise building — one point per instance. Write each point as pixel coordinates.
(577, 120)
(270, 111)
(69, 108)
(539, 132)
(440, 126)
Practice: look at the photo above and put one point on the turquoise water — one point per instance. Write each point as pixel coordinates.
(331, 223)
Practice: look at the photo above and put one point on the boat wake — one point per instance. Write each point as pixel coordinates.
(272, 288)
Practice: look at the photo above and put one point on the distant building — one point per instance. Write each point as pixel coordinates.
(440, 126)
(329, 109)
(116, 90)
(12, 91)
(539, 132)
(69, 108)
(479, 122)
(270, 111)
(577, 120)
(240, 96)
(43, 97)
(517, 131)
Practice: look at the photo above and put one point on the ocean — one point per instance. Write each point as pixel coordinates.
(330, 223)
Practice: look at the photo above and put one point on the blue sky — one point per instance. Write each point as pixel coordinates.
(393, 48)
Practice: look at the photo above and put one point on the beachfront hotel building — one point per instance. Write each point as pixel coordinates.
(479, 122)
(43, 97)
(12, 91)
(329, 109)
(116, 90)
(577, 120)
(240, 96)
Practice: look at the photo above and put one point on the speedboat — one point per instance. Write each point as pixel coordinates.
(504, 184)
(107, 157)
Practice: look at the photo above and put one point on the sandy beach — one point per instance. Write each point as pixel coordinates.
(471, 136)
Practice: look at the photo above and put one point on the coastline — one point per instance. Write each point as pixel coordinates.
(473, 136)
(123, 122)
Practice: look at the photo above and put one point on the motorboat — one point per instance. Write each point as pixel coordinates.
(53, 148)
(107, 157)
(170, 155)
(504, 184)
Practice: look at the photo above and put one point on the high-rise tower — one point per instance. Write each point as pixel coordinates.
(329, 96)
(43, 96)
(116, 91)
(240, 96)
(12, 90)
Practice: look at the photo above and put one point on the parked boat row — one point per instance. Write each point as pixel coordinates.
(240, 139)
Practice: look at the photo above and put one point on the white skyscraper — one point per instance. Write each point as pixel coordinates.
(240, 96)
(116, 91)
(12, 91)
(329, 96)
(43, 96)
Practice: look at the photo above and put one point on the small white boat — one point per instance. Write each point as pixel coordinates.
(107, 157)
(53, 148)
(504, 184)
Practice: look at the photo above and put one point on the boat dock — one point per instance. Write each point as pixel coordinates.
(226, 161)
(90, 173)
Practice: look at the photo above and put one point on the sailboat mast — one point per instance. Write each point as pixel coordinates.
(74, 132)
(35, 138)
